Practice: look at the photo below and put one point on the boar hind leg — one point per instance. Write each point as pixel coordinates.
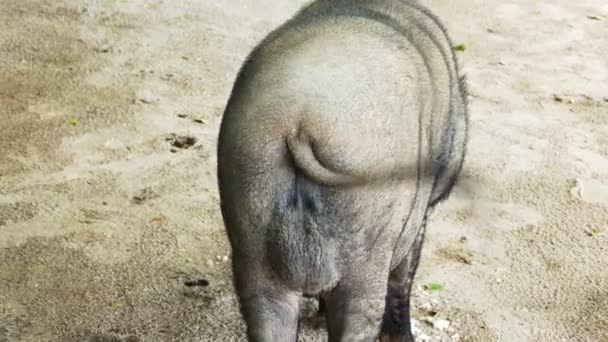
(396, 325)
(270, 312)
(271, 316)
(354, 307)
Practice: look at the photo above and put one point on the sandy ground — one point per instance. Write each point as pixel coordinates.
(104, 214)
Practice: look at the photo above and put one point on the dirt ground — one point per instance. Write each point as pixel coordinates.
(107, 208)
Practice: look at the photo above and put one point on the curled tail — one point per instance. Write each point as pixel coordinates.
(301, 150)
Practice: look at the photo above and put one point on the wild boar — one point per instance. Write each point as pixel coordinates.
(345, 127)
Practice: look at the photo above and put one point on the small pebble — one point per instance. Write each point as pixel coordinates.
(441, 324)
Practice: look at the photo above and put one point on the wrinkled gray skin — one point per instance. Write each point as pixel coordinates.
(345, 127)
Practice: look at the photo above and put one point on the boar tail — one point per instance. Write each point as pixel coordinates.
(302, 151)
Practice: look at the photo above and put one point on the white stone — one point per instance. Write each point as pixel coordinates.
(441, 324)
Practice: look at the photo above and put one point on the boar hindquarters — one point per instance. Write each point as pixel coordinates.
(345, 126)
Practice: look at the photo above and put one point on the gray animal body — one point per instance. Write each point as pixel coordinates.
(345, 127)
